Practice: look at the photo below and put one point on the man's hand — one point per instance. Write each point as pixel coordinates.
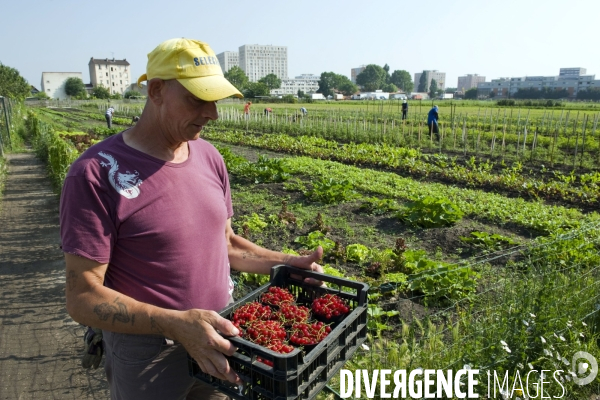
(309, 262)
(197, 332)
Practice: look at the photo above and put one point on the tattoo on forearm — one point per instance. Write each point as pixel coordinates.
(156, 327)
(118, 311)
(247, 254)
(71, 280)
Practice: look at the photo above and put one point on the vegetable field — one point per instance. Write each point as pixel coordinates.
(482, 250)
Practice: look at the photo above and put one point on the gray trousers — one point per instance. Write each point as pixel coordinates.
(148, 367)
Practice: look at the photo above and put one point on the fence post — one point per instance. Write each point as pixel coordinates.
(6, 121)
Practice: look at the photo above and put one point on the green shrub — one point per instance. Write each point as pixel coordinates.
(329, 191)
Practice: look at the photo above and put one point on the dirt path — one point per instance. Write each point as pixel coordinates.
(39, 343)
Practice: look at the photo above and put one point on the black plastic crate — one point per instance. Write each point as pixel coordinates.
(296, 375)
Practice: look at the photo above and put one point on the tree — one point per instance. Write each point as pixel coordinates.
(450, 90)
(237, 77)
(327, 83)
(12, 84)
(386, 68)
(271, 80)
(256, 89)
(41, 96)
(75, 87)
(132, 93)
(471, 94)
(433, 89)
(423, 83)
(347, 87)
(373, 77)
(402, 80)
(116, 96)
(100, 92)
(390, 88)
(300, 94)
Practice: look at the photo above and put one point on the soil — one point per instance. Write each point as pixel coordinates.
(40, 345)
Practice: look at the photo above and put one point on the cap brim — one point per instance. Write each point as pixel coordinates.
(210, 88)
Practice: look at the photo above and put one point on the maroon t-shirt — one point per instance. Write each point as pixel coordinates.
(160, 226)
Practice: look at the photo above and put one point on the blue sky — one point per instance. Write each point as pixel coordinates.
(491, 38)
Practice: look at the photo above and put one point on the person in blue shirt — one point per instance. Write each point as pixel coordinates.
(432, 122)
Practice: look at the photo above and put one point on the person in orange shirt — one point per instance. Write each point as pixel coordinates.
(247, 109)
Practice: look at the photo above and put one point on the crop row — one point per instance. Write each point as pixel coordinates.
(584, 189)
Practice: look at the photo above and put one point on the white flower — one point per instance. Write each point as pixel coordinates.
(548, 352)
(583, 367)
(581, 334)
(584, 324)
(503, 343)
(520, 365)
(364, 346)
(569, 324)
(466, 366)
(565, 361)
(530, 366)
(562, 338)
(573, 374)
(532, 315)
(526, 323)
(543, 340)
(507, 349)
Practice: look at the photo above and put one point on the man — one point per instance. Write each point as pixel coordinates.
(146, 231)
(108, 115)
(247, 110)
(268, 111)
(304, 111)
(432, 122)
(404, 109)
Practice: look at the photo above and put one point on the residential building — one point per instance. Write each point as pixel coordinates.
(468, 82)
(258, 61)
(308, 83)
(228, 59)
(115, 75)
(570, 79)
(440, 78)
(355, 71)
(53, 83)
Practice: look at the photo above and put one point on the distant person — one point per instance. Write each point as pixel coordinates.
(108, 115)
(404, 109)
(268, 111)
(247, 110)
(304, 111)
(134, 119)
(432, 122)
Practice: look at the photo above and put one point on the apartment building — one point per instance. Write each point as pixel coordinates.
(53, 83)
(308, 83)
(469, 81)
(355, 71)
(571, 79)
(258, 61)
(440, 78)
(228, 59)
(115, 75)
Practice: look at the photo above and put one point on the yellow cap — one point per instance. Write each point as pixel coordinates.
(194, 64)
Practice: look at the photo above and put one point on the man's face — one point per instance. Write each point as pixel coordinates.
(183, 115)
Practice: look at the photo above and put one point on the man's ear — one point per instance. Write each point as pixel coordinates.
(156, 89)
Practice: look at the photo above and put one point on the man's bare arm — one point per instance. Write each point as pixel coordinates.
(90, 303)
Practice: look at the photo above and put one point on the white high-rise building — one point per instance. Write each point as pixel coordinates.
(258, 61)
(115, 75)
(228, 59)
